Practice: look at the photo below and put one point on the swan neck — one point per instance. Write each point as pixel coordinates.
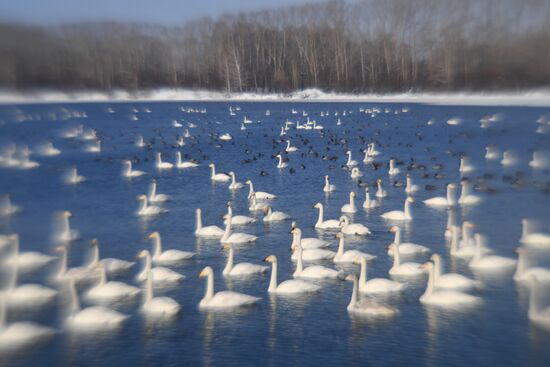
(363, 273)
(273, 280)
(396, 257)
(320, 218)
(438, 268)
(152, 190)
(95, 257)
(409, 184)
(227, 231)
(149, 287)
(213, 171)
(178, 158)
(63, 267)
(454, 240)
(157, 246)
(408, 210)
(103, 276)
(533, 300)
(351, 201)
(142, 205)
(430, 286)
(397, 237)
(2, 313)
(340, 247)
(146, 266)
(251, 190)
(450, 196)
(209, 287)
(75, 303)
(229, 265)
(353, 300)
(299, 265)
(198, 226)
(521, 264)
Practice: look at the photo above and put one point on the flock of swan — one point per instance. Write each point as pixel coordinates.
(313, 259)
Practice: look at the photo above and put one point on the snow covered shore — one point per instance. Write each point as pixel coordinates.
(527, 98)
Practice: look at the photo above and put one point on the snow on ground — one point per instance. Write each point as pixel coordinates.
(526, 98)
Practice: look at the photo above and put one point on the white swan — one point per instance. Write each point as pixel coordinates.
(73, 178)
(26, 294)
(7, 208)
(325, 224)
(95, 147)
(290, 149)
(65, 234)
(450, 281)
(328, 186)
(406, 248)
(372, 150)
(376, 285)
(491, 152)
(398, 214)
(234, 185)
(48, 150)
(208, 231)
(28, 260)
(153, 197)
(139, 142)
(393, 170)
(161, 275)
(465, 165)
(307, 244)
(356, 173)
(440, 201)
(291, 286)
(226, 137)
(78, 274)
(160, 164)
(237, 220)
(524, 273)
(350, 162)
(217, 177)
(367, 158)
(410, 188)
(148, 210)
(281, 164)
(20, 334)
(403, 269)
(111, 265)
(255, 206)
(350, 207)
(536, 313)
(348, 257)
(369, 203)
(223, 299)
(271, 216)
(464, 249)
(235, 238)
(260, 195)
(466, 196)
(240, 269)
(356, 229)
(367, 308)
(444, 298)
(127, 170)
(184, 164)
(489, 262)
(157, 306)
(380, 192)
(315, 271)
(110, 291)
(531, 238)
(92, 318)
(509, 158)
(167, 256)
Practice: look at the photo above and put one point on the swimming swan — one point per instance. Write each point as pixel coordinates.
(127, 170)
(350, 208)
(84, 273)
(524, 273)
(531, 238)
(240, 269)
(450, 281)
(315, 271)
(161, 275)
(409, 187)
(327, 224)
(398, 214)
(350, 255)
(291, 286)
(380, 192)
(403, 269)
(160, 164)
(376, 285)
(406, 248)
(489, 262)
(536, 313)
(328, 186)
(393, 170)
(466, 196)
(369, 203)
(153, 197)
(271, 216)
(72, 177)
(184, 164)
(260, 195)
(148, 210)
(281, 164)
(440, 201)
(234, 184)
(237, 220)
(167, 256)
(367, 308)
(356, 173)
(111, 265)
(356, 229)
(235, 238)
(22, 333)
(157, 306)
(66, 234)
(223, 299)
(350, 162)
(110, 291)
(26, 294)
(208, 231)
(217, 177)
(28, 260)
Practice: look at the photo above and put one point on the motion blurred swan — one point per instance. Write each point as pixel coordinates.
(48, 150)
(393, 170)
(78, 274)
(161, 275)
(380, 192)
(491, 152)
(183, 164)
(328, 186)
(241, 269)
(480, 261)
(65, 233)
(26, 294)
(111, 265)
(450, 281)
(315, 271)
(465, 165)
(531, 238)
(281, 164)
(157, 306)
(217, 177)
(403, 269)
(352, 228)
(73, 178)
(139, 142)
(376, 285)
(28, 260)
(223, 299)
(110, 291)
(271, 216)
(22, 333)
(524, 273)
(148, 210)
(94, 147)
(537, 313)
(235, 238)
(160, 164)
(406, 248)
(350, 208)
(350, 255)
(237, 220)
(292, 286)
(127, 170)
(404, 215)
(153, 197)
(369, 203)
(367, 308)
(325, 224)
(7, 208)
(410, 188)
(208, 231)
(260, 195)
(509, 158)
(461, 249)
(350, 162)
(92, 318)
(168, 256)
(234, 185)
(440, 201)
(466, 196)
(444, 298)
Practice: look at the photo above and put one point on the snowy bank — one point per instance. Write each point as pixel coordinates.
(527, 98)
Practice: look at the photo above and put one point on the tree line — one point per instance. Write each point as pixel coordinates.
(346, 46)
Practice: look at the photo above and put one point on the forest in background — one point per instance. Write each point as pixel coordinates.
(379, 46)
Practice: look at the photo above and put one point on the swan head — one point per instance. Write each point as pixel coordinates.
(326, 177)
(379, 181)
(154, 235)
(351, 277)
(393, 229)
(295, 230)
(142, 197)
(270, 259)
(211, 165)
(248, 182)
(231, 173)
(293, 225)
(339, 235)
(410, 200)
(352, 194)
(427, 265)
(94, 242)
(451, 186)
(61, 249)
(392, 246)
(206, 272)
(435, 258)
(267, 209)
(357, 260)
(67, 214)
(143, 254)
(317, 206)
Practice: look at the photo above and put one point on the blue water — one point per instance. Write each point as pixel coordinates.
(311, 330)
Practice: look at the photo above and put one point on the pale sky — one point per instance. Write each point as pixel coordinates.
(168, 12)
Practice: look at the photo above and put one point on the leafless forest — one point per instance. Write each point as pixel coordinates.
(361, 46)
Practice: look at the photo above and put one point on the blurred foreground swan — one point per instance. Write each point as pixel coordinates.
(367, 307)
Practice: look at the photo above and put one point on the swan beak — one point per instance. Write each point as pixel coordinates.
(357, 260)
(226, 246)
(268, 259)
(393, 229)
(151, 235)
(349, 277)
(202, 274)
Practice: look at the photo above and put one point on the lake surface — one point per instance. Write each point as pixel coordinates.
(308, 330)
